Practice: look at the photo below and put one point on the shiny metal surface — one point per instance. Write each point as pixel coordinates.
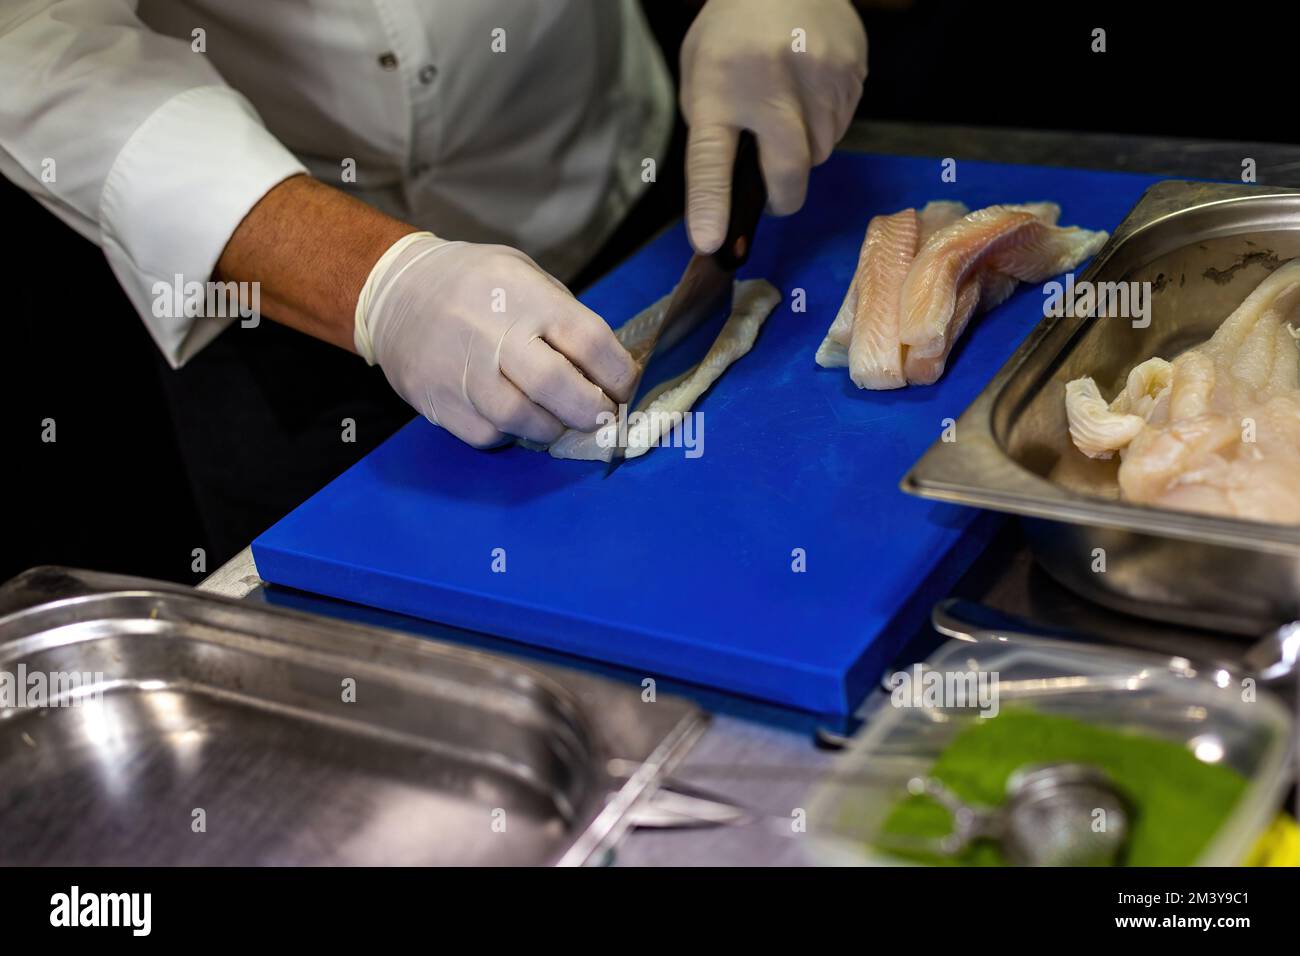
(1271, 660)
(1203, 247)
(1051, 814)
(214, 731)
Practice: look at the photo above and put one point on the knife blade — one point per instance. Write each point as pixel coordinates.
(707, 281)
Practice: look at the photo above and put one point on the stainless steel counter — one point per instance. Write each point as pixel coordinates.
(764, 759)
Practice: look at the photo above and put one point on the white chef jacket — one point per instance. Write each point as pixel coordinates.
(113, 119)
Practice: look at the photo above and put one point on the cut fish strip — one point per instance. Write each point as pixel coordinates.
(1016, 241)
(986, 290)
(877, 357)
(1276, 294)
(875, 354)
(922, 276)
(937, 215)
(662, 409)
(834, 349)
(926, 370)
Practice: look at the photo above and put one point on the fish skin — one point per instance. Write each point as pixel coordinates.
(1018, 241)
(753, 300)
(1048, 213)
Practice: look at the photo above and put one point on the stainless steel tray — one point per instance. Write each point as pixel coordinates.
(1203, 247)
(209, 731)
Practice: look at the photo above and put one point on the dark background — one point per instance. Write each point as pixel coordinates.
(151, 464)
(1203, 70)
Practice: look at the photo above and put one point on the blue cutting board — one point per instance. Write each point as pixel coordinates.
(685, 568)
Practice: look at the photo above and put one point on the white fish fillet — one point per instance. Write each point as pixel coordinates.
(875, 355)
(937, 214)
(753, 300)
(987, 289)
(983, 291)
(834, 349)
(1220, 425)
(1099, 429)
(1018, 241)
(981, 256)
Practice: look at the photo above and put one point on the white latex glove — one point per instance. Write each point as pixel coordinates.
(478, 339)
(740, 70)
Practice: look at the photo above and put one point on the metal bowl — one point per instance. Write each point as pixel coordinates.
(1203, 247)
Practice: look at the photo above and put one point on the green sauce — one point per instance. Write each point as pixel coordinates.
(1178, 801)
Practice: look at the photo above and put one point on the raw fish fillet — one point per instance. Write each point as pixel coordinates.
(1222, 435)
(980, 256)
(986, 290)
(937, 214)
(875, 355)
(753, 300)
(1018, 241)
(1100, 429)
(880, 260)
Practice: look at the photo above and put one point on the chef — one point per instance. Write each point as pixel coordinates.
(412, 180)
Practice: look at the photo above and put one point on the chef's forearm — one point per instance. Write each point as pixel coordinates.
(311, 248)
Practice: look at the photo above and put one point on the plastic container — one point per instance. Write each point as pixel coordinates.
(1114, 689)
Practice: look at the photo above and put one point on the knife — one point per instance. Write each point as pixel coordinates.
(706, 283)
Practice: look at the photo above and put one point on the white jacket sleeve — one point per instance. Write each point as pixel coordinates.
(136, 142)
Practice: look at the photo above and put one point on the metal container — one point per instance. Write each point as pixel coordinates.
(1203, 247)
(184, 728)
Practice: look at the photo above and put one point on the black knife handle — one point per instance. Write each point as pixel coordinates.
(748, 197)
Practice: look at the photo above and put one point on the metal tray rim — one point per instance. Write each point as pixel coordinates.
(602, 818)
(958, 472)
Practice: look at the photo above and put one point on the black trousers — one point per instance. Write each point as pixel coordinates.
(148, 465)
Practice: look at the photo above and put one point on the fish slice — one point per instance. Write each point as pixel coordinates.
(706, 283)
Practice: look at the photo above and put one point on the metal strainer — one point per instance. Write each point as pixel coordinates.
(1057, 814)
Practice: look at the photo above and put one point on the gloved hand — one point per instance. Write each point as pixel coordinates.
(479, 340)
(741, 70)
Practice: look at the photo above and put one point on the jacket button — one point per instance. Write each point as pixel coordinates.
(427, 73)
(388, 60)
